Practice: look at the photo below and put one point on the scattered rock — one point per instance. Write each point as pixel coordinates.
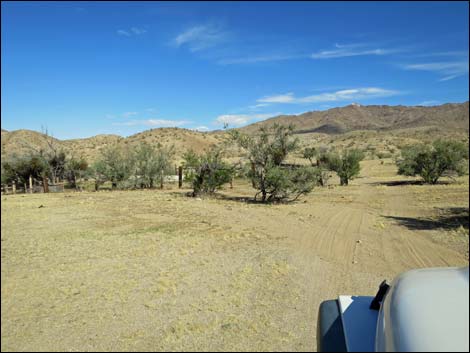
(354, 262)
(42, 206)
(359, 241)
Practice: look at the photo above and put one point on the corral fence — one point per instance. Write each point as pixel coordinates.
(36, 186)
(33, 187)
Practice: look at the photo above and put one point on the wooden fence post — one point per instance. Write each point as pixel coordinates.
(30, 184)
(45, 183)
(180, 177)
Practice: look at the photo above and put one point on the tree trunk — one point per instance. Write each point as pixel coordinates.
(253, 170)
(161, 179)
(96, 185)
(30, 184)
(180, 177)
(45, 183)
(263, 195)
(113, 185)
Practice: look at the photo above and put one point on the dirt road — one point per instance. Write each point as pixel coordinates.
(152, 270)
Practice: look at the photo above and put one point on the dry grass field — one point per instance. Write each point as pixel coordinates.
(157, 270)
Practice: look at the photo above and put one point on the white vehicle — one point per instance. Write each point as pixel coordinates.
(422, 310)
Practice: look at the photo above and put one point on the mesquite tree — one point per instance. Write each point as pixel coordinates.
(207, 172)
(346, 164)
(431, 162)
(266, 153)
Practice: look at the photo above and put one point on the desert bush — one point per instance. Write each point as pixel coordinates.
(115, 165)
(431, 162)
(98, 172)
(290, 184)
(206, 172)
(19, 170)
(346, 164)
(74, 169)
(266, 153)
(151, 163)
(323, 173)
(56, 161)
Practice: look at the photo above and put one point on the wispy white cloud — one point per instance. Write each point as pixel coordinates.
(258, 106)
(281, 98)
(201, 128)
(136, 31)
(122, 32)
(451, 53)
(242, 119)
(129, 114)
(200, 37)
(447, 78)
(358, 49)
(155, 123)
(429, 103)
(448, 69)
(259, 59)
(342, 95)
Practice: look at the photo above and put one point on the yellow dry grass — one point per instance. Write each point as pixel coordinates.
(156, 270)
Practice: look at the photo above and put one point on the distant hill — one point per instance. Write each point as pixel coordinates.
(21, 142)
(449, 117)
(382, 126)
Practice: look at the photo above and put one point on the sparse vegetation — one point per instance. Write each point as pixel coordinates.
(151, 164)
(318, 158)
(19, 170)
(266, 153)
(74, 169)
(346, 164)
(431, 162)
(206, 172)
(116, 165)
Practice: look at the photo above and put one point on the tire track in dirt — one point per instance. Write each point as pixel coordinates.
(344, 250)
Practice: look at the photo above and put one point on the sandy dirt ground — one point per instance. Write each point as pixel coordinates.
(157, 270)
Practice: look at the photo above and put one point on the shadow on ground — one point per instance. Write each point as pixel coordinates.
(233, 198)
(407, 182)
(448, 218)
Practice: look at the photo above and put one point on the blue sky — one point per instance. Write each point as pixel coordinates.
(82, 69)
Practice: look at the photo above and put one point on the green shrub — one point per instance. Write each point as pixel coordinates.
(206, 172)
(266, 153)
(431, 162)
(346, 165)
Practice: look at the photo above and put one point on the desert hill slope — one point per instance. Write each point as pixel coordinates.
(361, 126)
(449, 117)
